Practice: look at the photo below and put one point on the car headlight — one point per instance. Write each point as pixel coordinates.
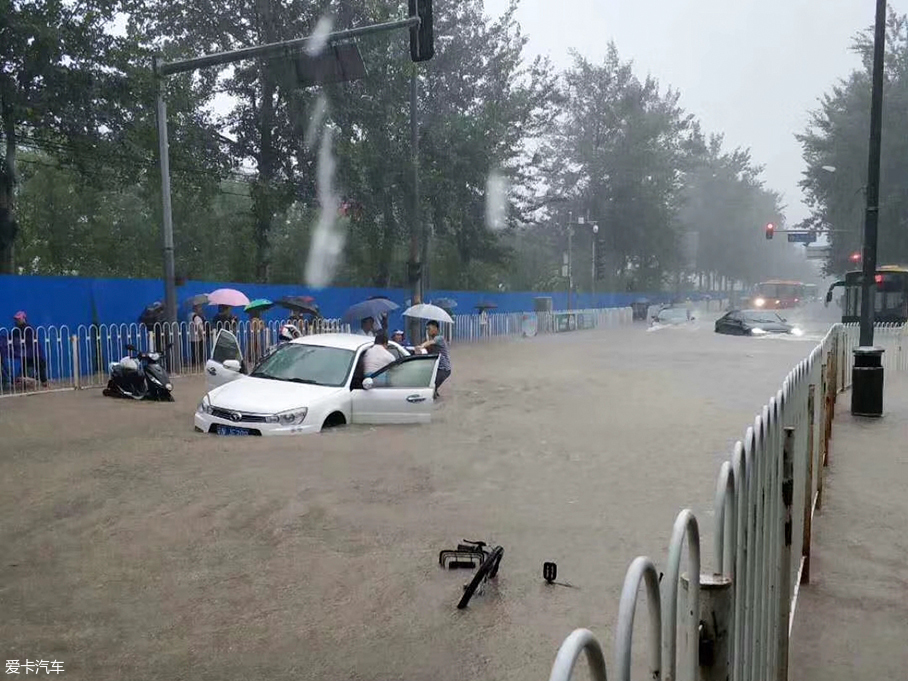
(291, 417)
(204, 405)
(758, 332)
(797, 332)
(169, 386)
(760, 302)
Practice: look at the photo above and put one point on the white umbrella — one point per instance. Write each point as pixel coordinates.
(428, 312)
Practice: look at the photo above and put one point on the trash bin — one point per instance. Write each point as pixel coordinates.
(867, 382)
(639, 309)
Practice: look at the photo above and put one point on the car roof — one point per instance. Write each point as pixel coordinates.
(344, 341)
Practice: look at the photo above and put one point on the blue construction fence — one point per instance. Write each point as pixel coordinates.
(74, 301)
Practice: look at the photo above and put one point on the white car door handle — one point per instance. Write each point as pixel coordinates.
(212, 371)
(416, 398)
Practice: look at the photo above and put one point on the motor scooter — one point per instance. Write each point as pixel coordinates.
(139, 378)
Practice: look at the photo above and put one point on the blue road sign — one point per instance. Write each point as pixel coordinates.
(802, 237)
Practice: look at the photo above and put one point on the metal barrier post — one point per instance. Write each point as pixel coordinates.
(714, 633)
(784, 594)
(808, 486)
(77, 365)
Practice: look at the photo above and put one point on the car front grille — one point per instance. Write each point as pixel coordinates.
(229, 415)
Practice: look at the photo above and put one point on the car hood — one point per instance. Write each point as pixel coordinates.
(267, 396)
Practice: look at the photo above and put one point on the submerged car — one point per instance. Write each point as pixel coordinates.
(673, 316)
(311, 383)
(754, 323)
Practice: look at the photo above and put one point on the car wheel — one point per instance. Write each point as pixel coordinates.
(334, 420)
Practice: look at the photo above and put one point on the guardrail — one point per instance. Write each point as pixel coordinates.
(48, 358)
(766, 496)
(893, 338)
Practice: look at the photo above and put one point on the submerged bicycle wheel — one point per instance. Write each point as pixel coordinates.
(488, 570)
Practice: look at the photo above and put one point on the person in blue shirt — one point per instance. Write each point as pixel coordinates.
(438, 344)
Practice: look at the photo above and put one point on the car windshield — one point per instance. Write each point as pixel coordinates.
(673, 314)
(758, 317)
(315, 364)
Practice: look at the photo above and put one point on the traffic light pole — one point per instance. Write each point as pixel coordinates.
(162, 69)
(867, 375)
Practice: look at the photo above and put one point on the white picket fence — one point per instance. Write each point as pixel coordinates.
(62, 358)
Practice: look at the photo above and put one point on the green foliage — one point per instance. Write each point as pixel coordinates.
(837, 137)
(595, 140)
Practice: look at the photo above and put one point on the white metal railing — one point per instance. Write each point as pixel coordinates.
(47, 358)
(766, 495)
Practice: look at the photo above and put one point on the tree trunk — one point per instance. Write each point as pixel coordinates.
(263, 194)
(8, 225)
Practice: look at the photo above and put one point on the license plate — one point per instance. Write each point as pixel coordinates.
(232, 430)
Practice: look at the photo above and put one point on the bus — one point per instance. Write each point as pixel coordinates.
(890, 295)
(777, 294)
(811, 293)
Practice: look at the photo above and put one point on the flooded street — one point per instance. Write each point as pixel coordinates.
(136, 548)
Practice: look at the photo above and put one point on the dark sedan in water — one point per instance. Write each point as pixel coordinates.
(754, 323)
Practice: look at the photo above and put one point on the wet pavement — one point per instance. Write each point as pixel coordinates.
(136, 548)
(852, 619)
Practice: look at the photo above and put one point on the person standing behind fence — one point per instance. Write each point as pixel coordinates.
(29, 350)
(197, 335)
(438, 344)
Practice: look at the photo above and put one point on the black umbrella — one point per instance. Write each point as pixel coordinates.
(301, 304)
(485, 305)
(153, 314)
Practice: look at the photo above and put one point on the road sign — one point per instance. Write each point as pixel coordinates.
(802, 237)
(819, 253)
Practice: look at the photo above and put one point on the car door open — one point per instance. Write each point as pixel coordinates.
(226, 360)
(402, 392)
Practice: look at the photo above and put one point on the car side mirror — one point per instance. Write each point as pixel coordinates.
(233, 365)
(368, 383)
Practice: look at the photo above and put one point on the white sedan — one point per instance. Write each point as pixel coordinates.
(311, 383)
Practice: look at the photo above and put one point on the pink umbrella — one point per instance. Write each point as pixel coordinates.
(228, 296)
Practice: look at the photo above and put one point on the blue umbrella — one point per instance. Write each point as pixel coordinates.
(374, 308)
(445, 303)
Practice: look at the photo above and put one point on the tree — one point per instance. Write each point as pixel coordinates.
(835, 149)
(614, 153)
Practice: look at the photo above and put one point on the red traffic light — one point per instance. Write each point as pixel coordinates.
(770, 230)
(878, 278)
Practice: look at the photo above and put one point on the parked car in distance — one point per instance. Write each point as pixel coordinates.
(672, 316)
(311, 383)
(754, 323)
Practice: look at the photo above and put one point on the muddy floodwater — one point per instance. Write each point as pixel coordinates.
(135, 548)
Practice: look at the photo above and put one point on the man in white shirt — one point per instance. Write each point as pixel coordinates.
(378, 356)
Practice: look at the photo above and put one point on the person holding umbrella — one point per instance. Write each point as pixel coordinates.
(197, 334)
(439, 345)
(256, 327)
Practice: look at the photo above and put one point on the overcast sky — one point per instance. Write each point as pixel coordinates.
(751, 69)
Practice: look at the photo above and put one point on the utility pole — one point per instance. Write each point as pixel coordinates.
(570, 257)
(867, 375)
(415, 270)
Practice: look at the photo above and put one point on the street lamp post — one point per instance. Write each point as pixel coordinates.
(867, 374)
(570, 254)
(593, 268)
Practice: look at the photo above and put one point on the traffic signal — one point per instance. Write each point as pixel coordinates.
(422, 41)
(770, 230)
(855, 257)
